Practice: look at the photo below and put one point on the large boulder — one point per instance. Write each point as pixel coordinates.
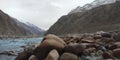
(117, 43)
(106, 40)
(107, 35)
(74, 48)
(116, 53)
(89, 39)
(23, 55)
(112, 47)
(107, 55)
(117, 36)
(46, 46)
(53, 55)
(68, 56)
(51, 36)
(97, 36)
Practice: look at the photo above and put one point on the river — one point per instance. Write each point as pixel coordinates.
(15, 45)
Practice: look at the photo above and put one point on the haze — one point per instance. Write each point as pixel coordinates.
(42, 13)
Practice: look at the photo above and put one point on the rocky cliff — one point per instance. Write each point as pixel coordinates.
(11, 27)
(104, 17)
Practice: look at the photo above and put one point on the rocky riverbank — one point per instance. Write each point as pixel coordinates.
(88, 46)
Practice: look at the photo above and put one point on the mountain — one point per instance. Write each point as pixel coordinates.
(11, 27)
(104, 17)
(34, 29)
(94, 4)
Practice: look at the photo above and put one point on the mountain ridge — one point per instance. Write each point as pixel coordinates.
(102, 18)
(12, 27)
(91, 5)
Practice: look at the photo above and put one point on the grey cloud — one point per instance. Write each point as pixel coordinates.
(42, 13)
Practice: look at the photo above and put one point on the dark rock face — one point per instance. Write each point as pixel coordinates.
(74, 48)
(107, 55)
(104, 17)
(23, 56)
(10, 27)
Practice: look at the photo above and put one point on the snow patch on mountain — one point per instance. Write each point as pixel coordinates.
(94, 4)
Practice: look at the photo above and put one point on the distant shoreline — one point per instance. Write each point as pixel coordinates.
(16, 37)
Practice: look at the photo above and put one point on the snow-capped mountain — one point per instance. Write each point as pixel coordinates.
(35, 28)
(94, 4)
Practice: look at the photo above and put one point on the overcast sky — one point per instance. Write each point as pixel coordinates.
(42, 13)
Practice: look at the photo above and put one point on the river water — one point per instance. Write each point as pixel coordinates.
(15, 45)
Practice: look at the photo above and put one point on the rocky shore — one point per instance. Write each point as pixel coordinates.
(88, 46)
